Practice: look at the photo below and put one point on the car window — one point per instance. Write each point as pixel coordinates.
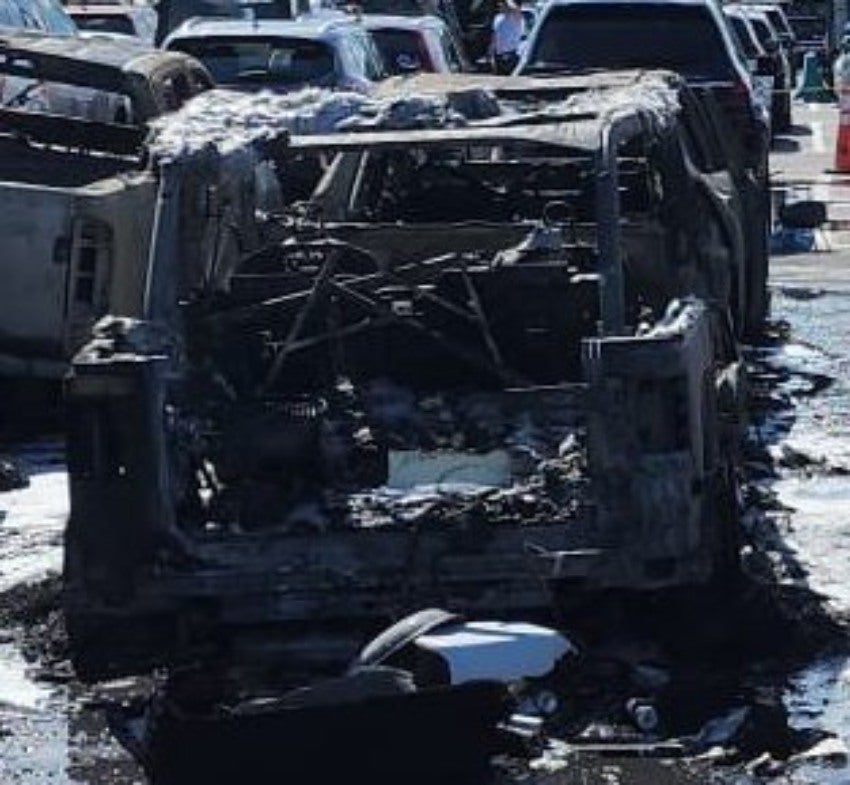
(763, 32)
(778, 20)
(54, 18)
(30, 15)
(105, 23)
(10, 15)
(402, 51)
(807, 27)
(261, 61)
(744, 38)
(453, 57)
(368, 59)
(403, 7)
(591, 35)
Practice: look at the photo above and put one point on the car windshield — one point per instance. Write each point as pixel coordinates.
(395, 7)
(403, 51)
(742, 32)
(261, 61)
(588, 36)
(778, 21)
(104, 23)
(807, 27)
(764, 33)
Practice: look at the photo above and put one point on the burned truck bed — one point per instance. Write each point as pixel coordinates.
(481, 367)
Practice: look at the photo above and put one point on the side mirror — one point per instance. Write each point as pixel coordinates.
(771, 46)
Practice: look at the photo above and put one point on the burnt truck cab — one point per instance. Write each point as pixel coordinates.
(76, 198)
(489, 363)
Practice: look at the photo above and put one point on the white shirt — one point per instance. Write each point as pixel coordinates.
(507, 33)
(841, 71)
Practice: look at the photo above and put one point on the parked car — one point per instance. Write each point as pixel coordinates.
(745, 36)
(758, 61)
(781, 68)
(99, 79)
(584, 35)
(772, 60)
(133, 21)
(39, 17)
(810, 33)
(776, 15)
(416, 43)
(75, 202)
(444, 9)
(280, 54)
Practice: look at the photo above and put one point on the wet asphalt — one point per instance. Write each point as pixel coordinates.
(53, 732)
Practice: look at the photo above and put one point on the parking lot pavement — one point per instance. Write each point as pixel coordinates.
(805, 154)
(802, 167)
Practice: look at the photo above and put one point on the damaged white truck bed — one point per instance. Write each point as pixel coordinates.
(476, 350)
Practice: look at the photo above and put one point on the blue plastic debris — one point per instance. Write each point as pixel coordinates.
(787, 240)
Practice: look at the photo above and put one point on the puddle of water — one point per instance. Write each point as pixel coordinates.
(819, 695)
(821, 533)
(46, 735)
(17, 690)
(32, 519)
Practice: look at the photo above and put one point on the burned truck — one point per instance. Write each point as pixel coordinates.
(487, 362)
(76, 198)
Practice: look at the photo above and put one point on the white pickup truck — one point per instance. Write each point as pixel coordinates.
(75, 201)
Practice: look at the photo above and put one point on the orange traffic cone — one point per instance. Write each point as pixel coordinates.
(842, 142)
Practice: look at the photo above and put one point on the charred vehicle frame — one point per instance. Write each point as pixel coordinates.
(486, 365)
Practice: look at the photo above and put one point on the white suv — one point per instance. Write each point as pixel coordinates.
(279, 54)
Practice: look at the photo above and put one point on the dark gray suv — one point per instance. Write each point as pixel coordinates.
(575, 36)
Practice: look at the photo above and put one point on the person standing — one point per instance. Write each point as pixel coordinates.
(508, 27)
